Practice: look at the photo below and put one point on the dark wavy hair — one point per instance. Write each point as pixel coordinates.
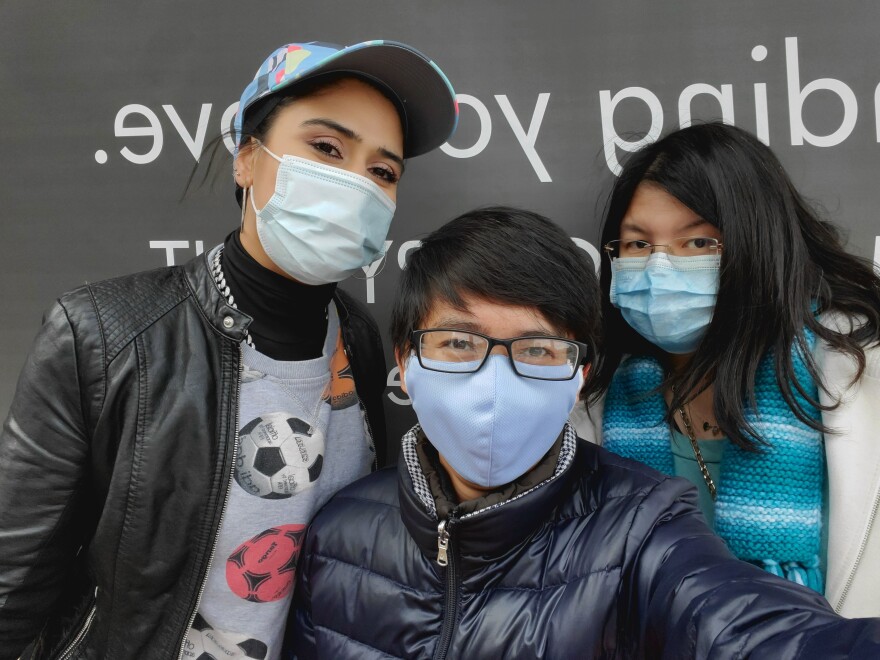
(505, 255)
(780, 268)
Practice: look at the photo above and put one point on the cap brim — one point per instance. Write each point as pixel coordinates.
(425, 94)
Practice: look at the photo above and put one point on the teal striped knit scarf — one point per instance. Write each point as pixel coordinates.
(769, 504)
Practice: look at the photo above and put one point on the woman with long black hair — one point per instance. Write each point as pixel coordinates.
(741, 352)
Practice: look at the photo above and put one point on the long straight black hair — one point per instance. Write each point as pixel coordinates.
(781, 266)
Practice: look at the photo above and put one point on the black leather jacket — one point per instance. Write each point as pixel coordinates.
(606, 559)
(116, 458)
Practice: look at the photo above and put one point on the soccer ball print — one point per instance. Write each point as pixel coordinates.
(205, 643)
(262, 569)
(279, 455)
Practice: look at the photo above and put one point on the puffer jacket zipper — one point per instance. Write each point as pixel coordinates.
(84, 629)
(447, 555)
(207, 572)
(447, 549)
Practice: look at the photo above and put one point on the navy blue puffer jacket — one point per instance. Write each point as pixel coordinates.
(606, 559)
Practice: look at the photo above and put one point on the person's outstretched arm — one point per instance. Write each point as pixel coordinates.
(689, 597)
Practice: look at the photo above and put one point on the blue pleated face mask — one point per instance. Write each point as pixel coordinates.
(668, 300)
(322, 224)
(492, 426)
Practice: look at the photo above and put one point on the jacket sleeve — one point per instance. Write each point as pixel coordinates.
(43, 454)
(692, 598)
(852, 453)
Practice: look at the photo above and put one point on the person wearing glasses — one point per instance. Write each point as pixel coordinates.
(174, 431)
(741, 352)
(503, 535)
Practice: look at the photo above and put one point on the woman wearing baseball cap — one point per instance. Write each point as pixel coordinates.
(184, 424)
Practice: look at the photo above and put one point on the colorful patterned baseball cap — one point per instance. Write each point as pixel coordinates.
(417, 86)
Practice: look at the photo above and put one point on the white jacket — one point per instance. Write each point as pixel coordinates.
(852, 580)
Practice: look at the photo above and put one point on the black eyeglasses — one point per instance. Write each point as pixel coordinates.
(462, 352)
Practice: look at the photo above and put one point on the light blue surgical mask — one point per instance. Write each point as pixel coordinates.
(322, 224)
(492, 426)
(668, 300)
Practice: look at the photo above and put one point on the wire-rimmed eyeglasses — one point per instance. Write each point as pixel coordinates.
(686, 246)
(462, 352)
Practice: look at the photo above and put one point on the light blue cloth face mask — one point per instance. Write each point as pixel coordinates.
(668, 300)
(322, 224)
(492, 425)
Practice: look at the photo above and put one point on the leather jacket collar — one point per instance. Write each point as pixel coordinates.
(224, 318)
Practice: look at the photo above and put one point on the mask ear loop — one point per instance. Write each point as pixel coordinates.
(244, 200)
(253, 204)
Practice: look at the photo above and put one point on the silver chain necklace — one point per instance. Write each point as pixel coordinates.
(695, 445)
(220, 279)
(704, 470)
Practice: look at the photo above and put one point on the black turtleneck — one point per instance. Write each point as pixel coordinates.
(290, 318)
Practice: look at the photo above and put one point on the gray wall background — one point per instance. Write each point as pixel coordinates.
(85, 197)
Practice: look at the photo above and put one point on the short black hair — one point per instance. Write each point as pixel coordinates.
(505, 255)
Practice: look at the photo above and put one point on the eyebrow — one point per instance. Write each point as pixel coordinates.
(351, 135)
(629, 225)
(452, 323)
(696, 223)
